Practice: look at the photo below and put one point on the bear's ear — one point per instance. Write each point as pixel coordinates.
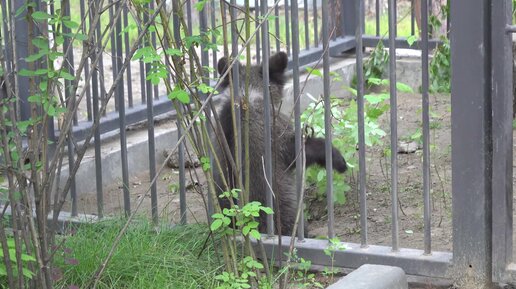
(278, 63)
(222, 66)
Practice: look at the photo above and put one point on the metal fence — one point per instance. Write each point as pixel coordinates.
(481, 116)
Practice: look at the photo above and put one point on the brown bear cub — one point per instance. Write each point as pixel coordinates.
(284, 154)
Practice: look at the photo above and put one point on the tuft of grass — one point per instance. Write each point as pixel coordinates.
(145, 257)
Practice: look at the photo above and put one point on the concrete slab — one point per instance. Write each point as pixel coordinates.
(373, 277)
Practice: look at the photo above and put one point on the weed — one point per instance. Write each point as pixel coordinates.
(145, 258)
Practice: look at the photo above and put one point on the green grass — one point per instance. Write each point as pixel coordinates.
(143, 259)
(403, 27)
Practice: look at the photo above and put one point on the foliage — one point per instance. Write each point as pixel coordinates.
(243, 217)
(147, 256)
(345, 132)
(375, 64)
(26, 142)
(334, 246)
(440, 68)
(440, 65)
(303, 278)
(246, 225)
(25, 260)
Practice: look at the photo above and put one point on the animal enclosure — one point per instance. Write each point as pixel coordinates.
(429, 181)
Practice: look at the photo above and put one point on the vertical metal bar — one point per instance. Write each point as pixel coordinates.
(71, 162)
(121, 114)
(257, 22)
(8, 48)
(150, 135)
(297, 113)
(143, 89)
(334, 19)
(189, 16)
(235, 73)
(127, 50)
(153, 40)
(472, 147)
(70, 101)
(361, 127)
(181, 153)
(69, 63)
(426, 127)
(430, 13)
(316, 26)
(502, 139)
(213, 37)
(394, 122)
(327, 119)
(205, 60)
(348, 17)
(287, 28)
(100, 66)
(307, 27)
(377, 16)
(114, 62)
(412, 18)
(20, 51)
(277, 27)
(267, 116)
(86, 66)
(96, 141)
(448, 21)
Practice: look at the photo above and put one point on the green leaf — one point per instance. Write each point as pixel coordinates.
(54, 55)
(41, 16)
(173, 52)
(51, 110)
(22, 9)
(70, 24)
(34, 57)
(36, 98)
(28, 258)
(78, 36)
(255, 234)
(180, 95)
(200, 5)
(267, 210)
(27, 273)
(206, 88)
(66, 75)
(314, 71)
(411, 39)
(403, 87)
(216, 224)
(43, 86)
(40, 42)
(59, 40)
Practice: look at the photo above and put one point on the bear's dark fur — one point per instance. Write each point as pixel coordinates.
(284, 154)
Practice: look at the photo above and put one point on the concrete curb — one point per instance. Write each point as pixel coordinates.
(373, 277)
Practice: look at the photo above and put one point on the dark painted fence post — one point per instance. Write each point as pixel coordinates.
(21, 42)
(502, 138)
(349, 16)
(471, 142)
